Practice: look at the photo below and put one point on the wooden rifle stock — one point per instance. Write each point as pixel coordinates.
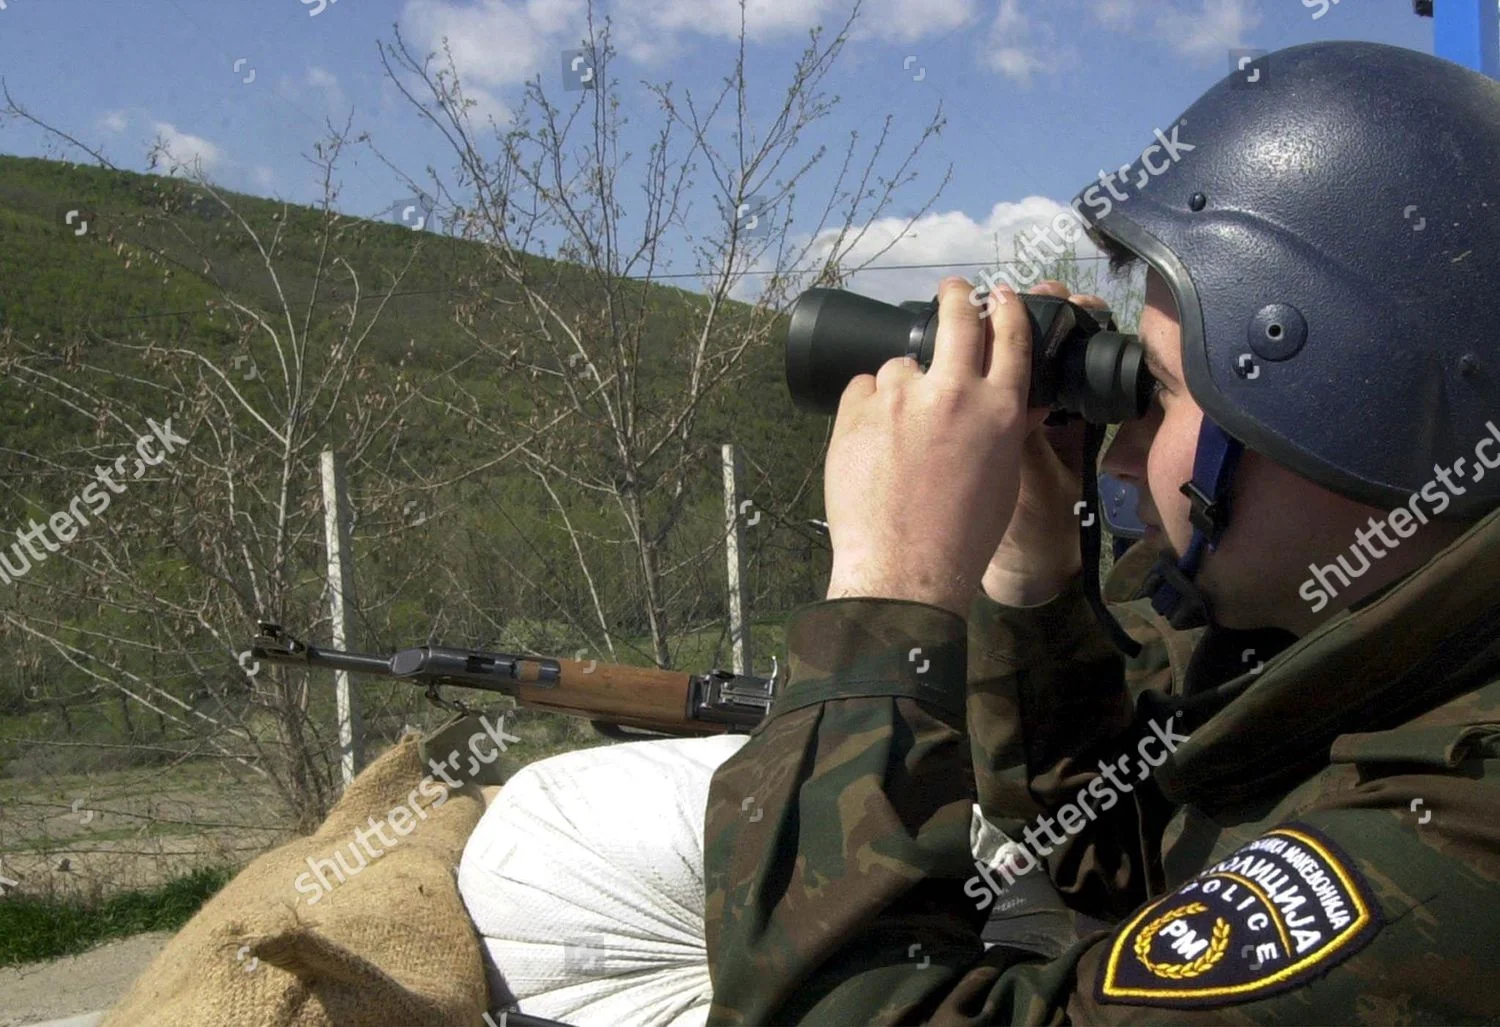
(635, 696)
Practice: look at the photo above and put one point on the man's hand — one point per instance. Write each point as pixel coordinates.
(1040, 552)
(923, 469)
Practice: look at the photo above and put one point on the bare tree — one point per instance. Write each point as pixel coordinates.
(225, 528)
(569, 294)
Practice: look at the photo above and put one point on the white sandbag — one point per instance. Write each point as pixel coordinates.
(585, 882)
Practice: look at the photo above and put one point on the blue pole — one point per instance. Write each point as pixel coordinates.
(1467, 32)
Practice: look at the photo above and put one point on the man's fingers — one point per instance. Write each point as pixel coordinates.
(860, 388)
(1010, 353)
(958, 351)
(896, 370)
(1089, 301)
(1050, 287)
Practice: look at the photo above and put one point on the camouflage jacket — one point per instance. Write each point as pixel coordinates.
(1309, 835)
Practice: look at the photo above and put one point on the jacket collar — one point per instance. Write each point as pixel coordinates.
(1420, 643)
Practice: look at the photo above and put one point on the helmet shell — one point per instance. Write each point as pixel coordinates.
(1332, 239)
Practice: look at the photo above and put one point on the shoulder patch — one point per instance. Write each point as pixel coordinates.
(1276, 913)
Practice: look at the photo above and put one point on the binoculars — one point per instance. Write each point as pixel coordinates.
(1079, 364)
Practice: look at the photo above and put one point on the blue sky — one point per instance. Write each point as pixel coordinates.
(1040, 94)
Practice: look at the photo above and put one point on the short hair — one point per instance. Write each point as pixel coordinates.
(1120, 256)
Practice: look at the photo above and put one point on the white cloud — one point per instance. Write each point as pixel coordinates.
(115, 121)
(907, 21)
(1020, 47)
(948, 243)
(764, 19)
(1014, 62)
(328, 82)
(263, 177)
(1024, 42)
(499, 43)
(185, 151)
(947, 238)
(1197, 28)
(495, 42)
(652, 29)
(487, 106)
(1116, 13)
(553, 16)
(1210, 28)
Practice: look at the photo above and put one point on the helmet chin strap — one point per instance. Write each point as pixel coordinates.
(1170, 584)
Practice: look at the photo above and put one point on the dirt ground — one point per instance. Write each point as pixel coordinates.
(66, 987)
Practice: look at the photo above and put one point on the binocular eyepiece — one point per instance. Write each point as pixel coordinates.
(1079, 364)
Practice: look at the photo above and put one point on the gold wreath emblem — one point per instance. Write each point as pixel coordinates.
(1218, 944)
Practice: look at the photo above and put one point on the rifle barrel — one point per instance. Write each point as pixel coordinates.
(362, 663)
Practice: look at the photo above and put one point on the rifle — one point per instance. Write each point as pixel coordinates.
(610, 695)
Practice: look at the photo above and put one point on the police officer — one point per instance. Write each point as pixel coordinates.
(1307, 830)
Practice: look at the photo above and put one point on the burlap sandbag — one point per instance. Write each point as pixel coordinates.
(391, 944)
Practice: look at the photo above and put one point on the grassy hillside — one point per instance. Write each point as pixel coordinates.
(59, 290)
(105, 322)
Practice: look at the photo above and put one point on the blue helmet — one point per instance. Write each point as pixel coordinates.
(1326, 219)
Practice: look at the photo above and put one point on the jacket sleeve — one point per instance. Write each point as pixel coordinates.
(836, 840)
(1049, 708)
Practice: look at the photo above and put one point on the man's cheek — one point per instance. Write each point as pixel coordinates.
(1171, 465)
(1174, 510)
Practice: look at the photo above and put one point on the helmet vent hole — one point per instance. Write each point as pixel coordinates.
(1273, 331)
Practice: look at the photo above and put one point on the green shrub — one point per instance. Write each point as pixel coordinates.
(33, 929)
